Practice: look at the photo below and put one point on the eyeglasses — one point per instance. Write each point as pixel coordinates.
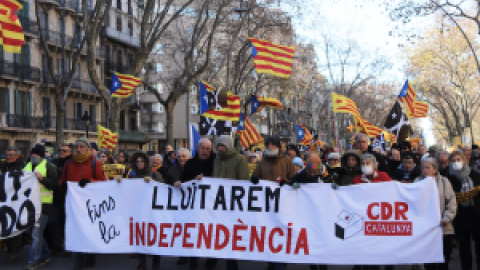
(64, 150)
(140, 161)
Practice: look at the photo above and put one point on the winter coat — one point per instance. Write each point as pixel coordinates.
(146, 171)
(58, 193)
(49, 182)
(230, 165)
(378, 177)
(17, 165)
(448, 201)
(350, 173)
(393, 166)
(76, 172)
(304, 177)
(195, 166)
(402, 175)
(173, 174)
(271, 169)
(467, 218)
(335, 174)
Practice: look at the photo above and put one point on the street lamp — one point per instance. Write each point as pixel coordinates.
(86, 119)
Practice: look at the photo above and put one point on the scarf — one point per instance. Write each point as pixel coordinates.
(463, 176)
(155, 169)
(368, 178)
(81, 158)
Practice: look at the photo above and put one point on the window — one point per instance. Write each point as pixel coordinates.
(4, 100)
(119, 4)
(193, 108)
(23, 103)
(130, 9)
(159, 87)
(119, 23)
(159, 48)
(190, 31)
(130, 28)
(160, 127)
(46, 106)
(159, 67)
(194, 90)
(93, 113)
(161, 109)
(79, 110)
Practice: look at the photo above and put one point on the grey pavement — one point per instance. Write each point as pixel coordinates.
(123, 262)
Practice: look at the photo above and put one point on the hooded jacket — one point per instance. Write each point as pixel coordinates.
(231, 165)
(350, 173)
(270, 169)
(196, 166)
(145, 172)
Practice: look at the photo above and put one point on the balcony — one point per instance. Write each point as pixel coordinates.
(49, 2)
(67, 5)
(77, 84)
(121, 37)
(48, 122)
(114, 66)
(17, 71)
(133, 136)
(152, 117)
(57, 38)
(30, 27)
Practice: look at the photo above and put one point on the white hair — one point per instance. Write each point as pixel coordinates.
(158, 155)
(361, 135)
(372, 158)
(204, 140)
(183, 150)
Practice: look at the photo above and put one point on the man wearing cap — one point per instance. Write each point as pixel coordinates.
(93, 149)
(83, 168)
(432, 151)
(47, 177)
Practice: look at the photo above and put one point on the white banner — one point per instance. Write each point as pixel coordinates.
(20, 203)
(383, 223)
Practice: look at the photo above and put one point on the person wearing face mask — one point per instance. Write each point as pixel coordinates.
(334, 168)
(370, 174)
(351, 164)
(467, 220)
(47, 177)
(448, 208)
(408, 170)
(361, 143)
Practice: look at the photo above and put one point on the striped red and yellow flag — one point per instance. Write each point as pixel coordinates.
(208, 87)
(106, 138)
(408, 96)
(307, 138)
(229, 113)
(123, 85)
(271, 58)
(11, 32)
(421, 110)
(249, 135)
(270, 102)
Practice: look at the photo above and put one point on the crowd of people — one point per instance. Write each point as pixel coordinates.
(454, 173)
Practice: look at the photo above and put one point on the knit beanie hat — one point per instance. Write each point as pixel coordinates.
(225, 140)
(334, 155)
(275, 141)
(83, 141)
(38, 150)
(94, 146)
(298, 161)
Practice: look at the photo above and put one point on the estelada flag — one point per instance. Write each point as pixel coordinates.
(106, 138)
(248, 132)
(229, 113)
(123, 85)
(258, 103)
(272, 58)
(11, 32)
(408, 96)
(421, 110)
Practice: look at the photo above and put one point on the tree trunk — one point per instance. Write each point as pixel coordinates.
(59, 119)
(114, 114)
(169, 110)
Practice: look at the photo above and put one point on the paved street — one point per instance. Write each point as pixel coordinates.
(123, 262)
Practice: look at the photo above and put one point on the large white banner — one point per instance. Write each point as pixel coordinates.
(20, 203)
(382, 223)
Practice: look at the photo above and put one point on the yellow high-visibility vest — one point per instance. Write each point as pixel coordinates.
(47, 195)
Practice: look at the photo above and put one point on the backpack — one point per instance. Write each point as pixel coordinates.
(94, 167)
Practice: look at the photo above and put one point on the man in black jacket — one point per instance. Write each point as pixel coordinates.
(12, 164)
(195, 168)
(361, 143)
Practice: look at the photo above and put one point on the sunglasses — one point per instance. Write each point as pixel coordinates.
(64, 150)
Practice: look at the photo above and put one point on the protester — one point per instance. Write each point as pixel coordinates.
(408, 170)
(175, 171)
(448, 209)
(351, 164)
(150, 154)
(140, 167)
(421, 151)
(260, 155)
(275, 167)
(93, 149)
(122, 158)
(442, 158)
(252, 163)
(394, 161)
(405, 146)
(298, 164)
(432, 151)
(325, 154)
(83, 168)
(168, 162)
(467, 151)
(13, 163)
(312, 174)
(292, 151)
(201, 165)
(370, 173)
(168, 149)
(334, 168)
(157, 161)
(361, 143)
(467, 220)
(105, 156)
(47, 177)
(229, 164)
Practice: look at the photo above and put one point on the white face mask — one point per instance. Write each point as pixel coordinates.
(457, 165)
(367, 170)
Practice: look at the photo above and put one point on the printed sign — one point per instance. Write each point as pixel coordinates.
(382, 223)
(113, 170)
(20, 203)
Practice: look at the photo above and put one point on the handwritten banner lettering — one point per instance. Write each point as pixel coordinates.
(362, 224)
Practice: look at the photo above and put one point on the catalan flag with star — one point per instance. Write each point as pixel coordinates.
(106, 138)
(303, 135)
(272, 58)
(248, 132)
(258, 103)
(11, 31)
(230, 113)
(123, 85)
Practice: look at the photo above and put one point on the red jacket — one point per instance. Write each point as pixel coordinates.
(380, 177)
(77, 172)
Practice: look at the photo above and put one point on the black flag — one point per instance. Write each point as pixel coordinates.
(397, 123)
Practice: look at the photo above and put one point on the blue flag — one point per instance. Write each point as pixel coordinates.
(241, 122)
(194, 139)
(255, 104)
(115, 84)
(203, 98)
(300, 133)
